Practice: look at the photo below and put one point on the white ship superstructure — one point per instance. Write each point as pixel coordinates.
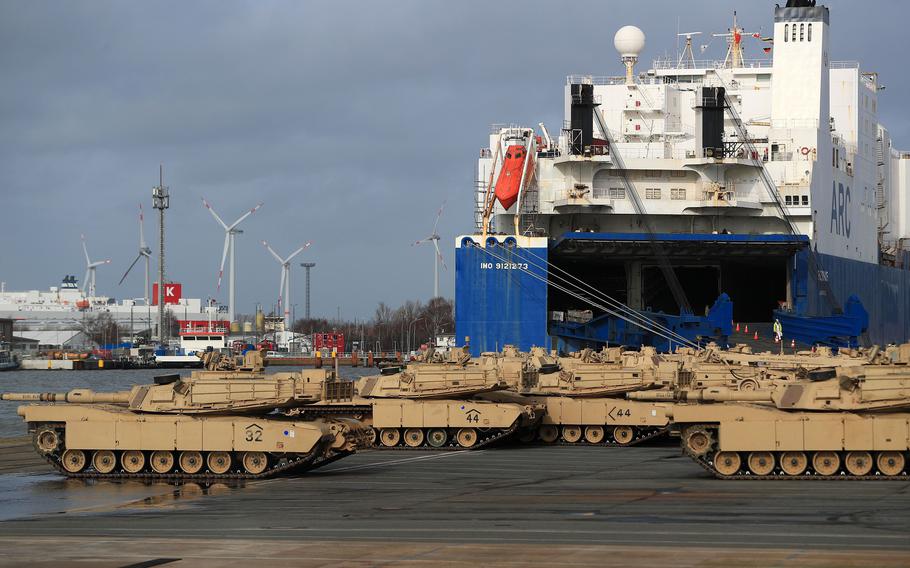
(782, 156)
(67, 306)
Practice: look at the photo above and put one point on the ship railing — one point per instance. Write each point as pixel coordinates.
(610, 80)
(844, 65)
(701, 64)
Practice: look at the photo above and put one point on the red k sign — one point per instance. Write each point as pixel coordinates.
(172, 293)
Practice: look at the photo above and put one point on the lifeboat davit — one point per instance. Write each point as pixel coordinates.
(509, 182)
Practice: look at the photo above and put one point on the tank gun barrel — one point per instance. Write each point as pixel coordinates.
(704, 395)
(75, 396)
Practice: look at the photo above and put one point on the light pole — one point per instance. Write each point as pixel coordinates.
(307, 266)
(161, 201)
(409, 332)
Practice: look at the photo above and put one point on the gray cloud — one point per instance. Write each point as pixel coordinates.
(351, 121)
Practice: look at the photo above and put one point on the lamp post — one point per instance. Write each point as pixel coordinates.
(409, 332)
(161, 200)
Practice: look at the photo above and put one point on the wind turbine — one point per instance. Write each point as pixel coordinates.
(437, 260)
(229, 232)
(89, 281)
(284, 288)
(144, 251)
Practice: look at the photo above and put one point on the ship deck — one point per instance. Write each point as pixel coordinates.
(552, 506)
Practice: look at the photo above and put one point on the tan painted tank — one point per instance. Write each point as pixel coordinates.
(854, 425)
(456, 403)
(228, 422)
(584, 394)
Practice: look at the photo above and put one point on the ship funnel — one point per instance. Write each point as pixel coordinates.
(629, 41)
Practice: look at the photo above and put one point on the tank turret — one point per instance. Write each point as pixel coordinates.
(433, 380)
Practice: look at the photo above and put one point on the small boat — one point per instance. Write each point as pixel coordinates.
(508, 185)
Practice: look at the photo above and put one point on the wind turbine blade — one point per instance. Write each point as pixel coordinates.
(215, 215)
(422, 241)
(245, 215)
(85, 280)
(275, 254)
(227, 237)
(438, 215)
(439, 254)
(142, 244)
(296, 252)
(85, 250)
(125, 274)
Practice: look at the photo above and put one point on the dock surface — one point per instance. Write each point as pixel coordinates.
(514, 506)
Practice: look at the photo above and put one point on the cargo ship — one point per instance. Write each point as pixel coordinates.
(693, 195)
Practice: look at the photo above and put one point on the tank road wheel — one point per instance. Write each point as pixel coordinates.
(218, 462)
(858, 463)
(413, 437)
(73, 461)
(390, 436)
(372, 436)
(162, 461)
(549, 433)
(826, 463)
(190, 462)
(104, 461)
(794, 463)
(466, 437)
(47, 439)
(571, 434)
(623, 435)
(594, 434)
(255, 462)
(727, 463)
(890, 463)
(132, 461)
(761, 463)
(437, 437)
(698, 441)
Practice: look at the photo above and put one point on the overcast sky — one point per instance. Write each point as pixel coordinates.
(352, 122)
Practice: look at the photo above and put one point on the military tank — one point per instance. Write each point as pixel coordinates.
(852, 425)
(583, 394)
(230, 421)
(454, 402)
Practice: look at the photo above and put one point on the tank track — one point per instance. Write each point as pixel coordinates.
(494, 435)
(307, 462)
(640, 435)
(707, 463)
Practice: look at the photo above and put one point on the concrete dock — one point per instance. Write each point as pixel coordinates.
(546, 506)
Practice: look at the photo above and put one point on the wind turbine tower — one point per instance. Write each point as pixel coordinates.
(229, 232)
(284, 288)
(144, 252)
(88, 284)
(437, 260)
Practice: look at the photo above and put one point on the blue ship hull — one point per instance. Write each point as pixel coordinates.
(502, 293)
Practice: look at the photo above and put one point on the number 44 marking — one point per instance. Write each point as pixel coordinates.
(619, 413)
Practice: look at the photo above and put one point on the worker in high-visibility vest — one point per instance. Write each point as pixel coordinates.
(778, 330)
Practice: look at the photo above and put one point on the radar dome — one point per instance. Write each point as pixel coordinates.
(629, 41)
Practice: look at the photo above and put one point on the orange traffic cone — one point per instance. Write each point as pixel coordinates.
(756, 336)
(747, 328)
(737, 328)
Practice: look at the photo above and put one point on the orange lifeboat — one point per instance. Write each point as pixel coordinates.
(509, 181)
(82, 304)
